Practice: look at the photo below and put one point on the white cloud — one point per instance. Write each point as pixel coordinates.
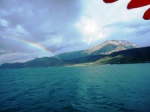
(90, 30)
(3, 23)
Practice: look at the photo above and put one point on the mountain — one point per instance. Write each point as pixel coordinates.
(38, 62)
(107, 47)
(109, 52)
(135, 55)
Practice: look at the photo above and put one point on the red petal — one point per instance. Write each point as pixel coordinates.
(109, 1)
(137, 3)
(147, 14)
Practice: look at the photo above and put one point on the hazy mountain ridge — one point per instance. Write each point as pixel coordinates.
(107, 47)
(134, 55)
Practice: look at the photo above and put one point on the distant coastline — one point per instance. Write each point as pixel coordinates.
(109, 52)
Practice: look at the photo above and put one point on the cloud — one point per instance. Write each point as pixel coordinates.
(47, 23)
(90, 30)
(39, 18)
(136, 31)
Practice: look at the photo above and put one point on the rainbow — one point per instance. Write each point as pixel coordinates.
(33, 44)
(36, 45)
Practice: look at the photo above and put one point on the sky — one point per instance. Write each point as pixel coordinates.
(42, 28)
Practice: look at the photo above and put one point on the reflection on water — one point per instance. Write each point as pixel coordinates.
(111, 88)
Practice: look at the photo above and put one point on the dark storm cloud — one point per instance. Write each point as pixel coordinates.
(47, 23)
(40, 19)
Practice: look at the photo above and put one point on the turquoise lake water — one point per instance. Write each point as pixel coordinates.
(108, 88)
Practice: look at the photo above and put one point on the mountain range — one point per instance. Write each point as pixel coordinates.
(105, 48)
(109, 52)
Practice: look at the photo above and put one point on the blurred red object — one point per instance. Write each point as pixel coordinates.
(109, 1)
(147, 15)
(136, 4)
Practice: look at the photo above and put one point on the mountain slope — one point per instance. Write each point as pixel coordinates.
(136, 55)
(107, 47)
(38, 62)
